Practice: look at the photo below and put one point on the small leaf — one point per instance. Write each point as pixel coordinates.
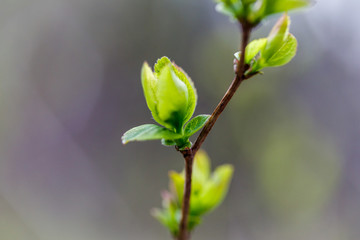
(284, 54)
(231, 8)
(184, 77)
(177, 184)
(256, 12)
(172, 95)
(149, 84)
(253, 48)
(167, 217)
(192, 94)
(215, 190)
(148, 132)
(277, 36)
(202, 167)
(148, 81)
(195, 124)
(277, 6)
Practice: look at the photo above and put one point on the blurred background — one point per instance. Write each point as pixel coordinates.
(70, 87)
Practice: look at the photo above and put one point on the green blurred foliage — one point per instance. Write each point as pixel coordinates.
(208, 191)
(276, 50)
(254, 11)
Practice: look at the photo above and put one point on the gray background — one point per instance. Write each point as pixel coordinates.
(70, 87)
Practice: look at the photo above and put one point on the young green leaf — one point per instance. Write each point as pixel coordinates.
(195, 124)
(275, 50)
(167, 217)
(192, 94)
(149, 83)
(284, 55)
(277, 6)
(208, 190)
(277, 36)
(172, 95)
(232, 8)
(215, 190)
(253, 48)
(148, 132)
(202, 167)
(177, 181)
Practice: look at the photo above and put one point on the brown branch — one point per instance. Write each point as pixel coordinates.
(189, 154)
(189, 158)
(246, 29)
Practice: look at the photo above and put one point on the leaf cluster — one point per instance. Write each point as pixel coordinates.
(171, 97)
(253, 12)
(208, 191)
(276, 50)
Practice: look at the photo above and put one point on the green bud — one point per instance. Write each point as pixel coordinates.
(253, 12)
(169, 93)
(232, 8)
(208, 191)
(277, 36)
(171, 97)
(276, 50)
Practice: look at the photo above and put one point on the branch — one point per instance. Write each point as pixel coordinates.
(246, 29)
(189, 154)
(189, 159)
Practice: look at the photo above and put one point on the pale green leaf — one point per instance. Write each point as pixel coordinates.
(202, 167)
(148, 81)
(192, 94)
(168, 218)
(161, 64)
(226, 10)
(215, 190)
(195, 124)
(253, 48)
(148, 132)
(277, 6)
(177, 184)
(284, 54)
(231, 8)
(277, 36)
(172, 95)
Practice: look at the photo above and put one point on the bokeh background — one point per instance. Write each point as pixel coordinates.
(70, 87)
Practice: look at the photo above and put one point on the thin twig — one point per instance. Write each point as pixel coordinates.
(189, 158)
(229, 93)
(189, 154)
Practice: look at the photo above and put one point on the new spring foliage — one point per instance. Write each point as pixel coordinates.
(171, 97)
(276, 50)
(254, 11)
(208, 191)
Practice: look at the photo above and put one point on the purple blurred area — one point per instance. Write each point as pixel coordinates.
(70, 87)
